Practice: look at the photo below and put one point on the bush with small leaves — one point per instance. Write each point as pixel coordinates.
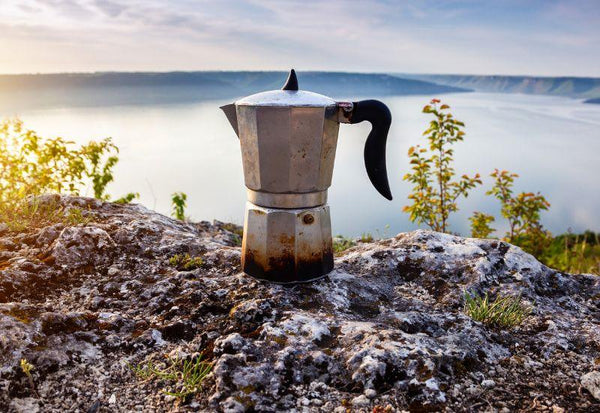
(435, 191)
(480, 225)
(32, 165)
(522, 212)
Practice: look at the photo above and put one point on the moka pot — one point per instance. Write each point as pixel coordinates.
(288, 140)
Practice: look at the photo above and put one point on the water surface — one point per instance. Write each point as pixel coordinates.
(553, 143)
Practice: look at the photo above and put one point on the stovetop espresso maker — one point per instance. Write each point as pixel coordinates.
(288, 139)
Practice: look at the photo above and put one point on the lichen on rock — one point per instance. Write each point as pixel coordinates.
(86, 303)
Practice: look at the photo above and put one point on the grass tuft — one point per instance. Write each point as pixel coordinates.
(31, 213)
(504, 312)
(341, 244)
(184, 377)
(237, 231)
(366, 237)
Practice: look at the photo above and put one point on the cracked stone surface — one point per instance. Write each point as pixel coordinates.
(385, 331)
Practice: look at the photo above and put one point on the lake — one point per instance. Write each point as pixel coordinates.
(553, 143)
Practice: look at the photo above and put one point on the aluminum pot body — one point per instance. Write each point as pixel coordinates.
(288, 150)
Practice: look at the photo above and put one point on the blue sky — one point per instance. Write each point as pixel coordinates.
(483, 37)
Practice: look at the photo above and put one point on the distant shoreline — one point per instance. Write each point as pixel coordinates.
(217, 84)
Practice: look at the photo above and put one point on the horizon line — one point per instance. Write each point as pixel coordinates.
(99, 72)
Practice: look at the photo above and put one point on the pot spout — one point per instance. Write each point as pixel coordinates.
(231, 114)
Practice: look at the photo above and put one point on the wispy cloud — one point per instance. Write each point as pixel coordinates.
(535, 37)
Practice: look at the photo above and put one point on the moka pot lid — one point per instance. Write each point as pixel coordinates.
(289, 95)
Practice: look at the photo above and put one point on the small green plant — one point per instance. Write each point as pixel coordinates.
(184, 377)
(26, 368)
(127, 198)
(504, 312)
(178, 201)
(341, 243)
(99, 160)
(435, 191)
(184, 262)
(480, 225)
(385, 233)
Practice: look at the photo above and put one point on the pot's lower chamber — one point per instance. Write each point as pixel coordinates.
(287, 245)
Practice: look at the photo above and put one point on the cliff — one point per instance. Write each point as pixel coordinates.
(575, 87)
(90, 304)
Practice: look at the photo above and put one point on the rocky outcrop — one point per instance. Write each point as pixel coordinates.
(385, 331)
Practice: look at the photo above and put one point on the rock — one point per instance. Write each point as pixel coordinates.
(92, 306)
(591, 382)
(79, 246)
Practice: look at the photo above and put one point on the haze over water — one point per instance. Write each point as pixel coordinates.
(553, 143)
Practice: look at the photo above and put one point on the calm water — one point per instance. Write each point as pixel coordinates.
(552, 143)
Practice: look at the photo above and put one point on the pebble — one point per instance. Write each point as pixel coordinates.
(488, 384)
(361, 401)
(112, 399)
(370, 393)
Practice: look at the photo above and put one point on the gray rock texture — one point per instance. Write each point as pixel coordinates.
(385, 331)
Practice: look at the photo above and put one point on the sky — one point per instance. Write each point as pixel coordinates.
(518, 37)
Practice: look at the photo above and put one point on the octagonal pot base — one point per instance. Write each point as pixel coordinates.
(287, 245)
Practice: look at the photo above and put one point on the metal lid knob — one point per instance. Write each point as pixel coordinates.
(292, 81)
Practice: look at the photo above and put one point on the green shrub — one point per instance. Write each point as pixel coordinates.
(435, 191)
(522, 212)
(32, 165)
(504, 312)
(480, 225)
(573, 253)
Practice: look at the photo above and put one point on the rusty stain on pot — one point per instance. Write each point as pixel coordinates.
(287, 268)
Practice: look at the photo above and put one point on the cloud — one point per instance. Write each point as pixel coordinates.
(110, 8)
(413, 36)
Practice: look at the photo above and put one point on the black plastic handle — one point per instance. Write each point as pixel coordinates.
(380, 117)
